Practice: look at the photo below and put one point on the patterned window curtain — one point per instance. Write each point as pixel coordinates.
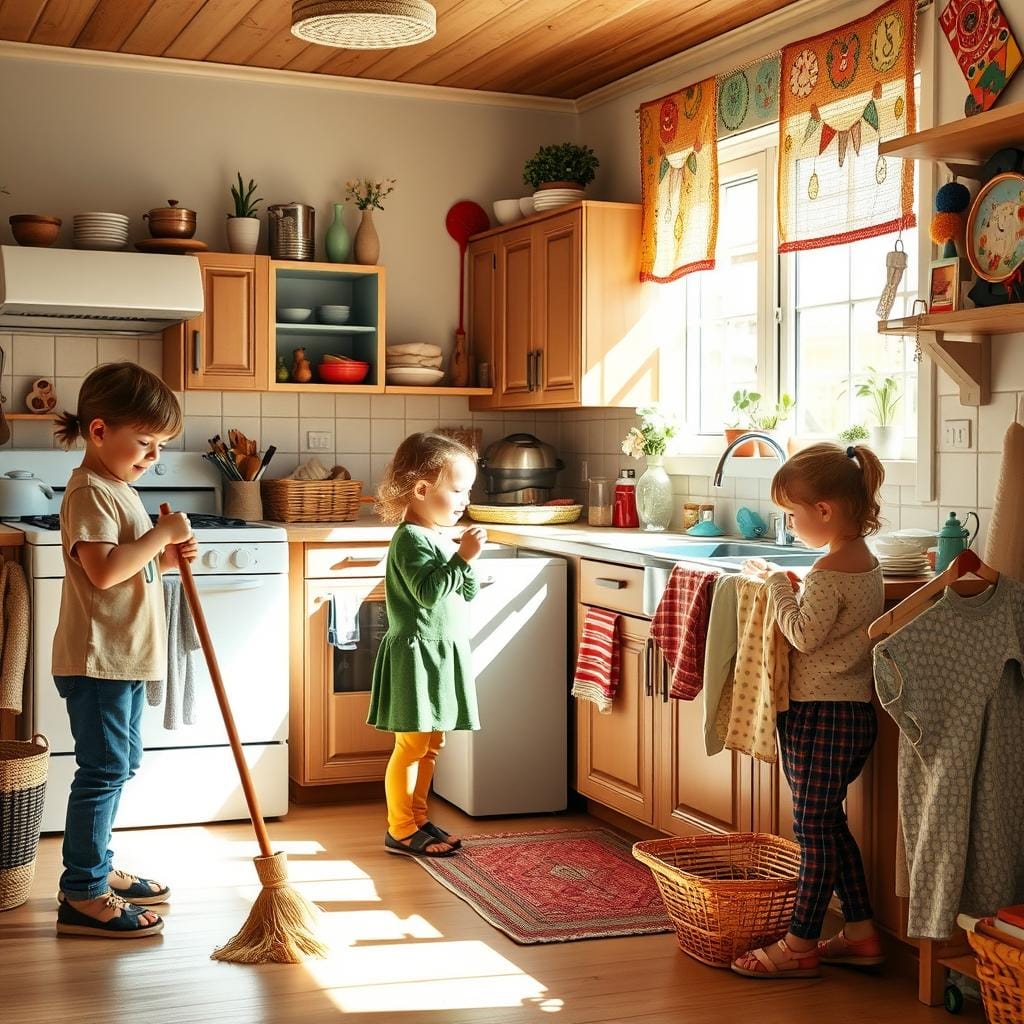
(841, 94)
(679, 175)
(748, 97)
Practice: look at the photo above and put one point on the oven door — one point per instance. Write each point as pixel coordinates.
(248, 621)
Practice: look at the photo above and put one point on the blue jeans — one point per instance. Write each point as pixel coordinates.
(105, 715)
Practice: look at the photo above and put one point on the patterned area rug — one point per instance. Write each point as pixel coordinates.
(554, 885)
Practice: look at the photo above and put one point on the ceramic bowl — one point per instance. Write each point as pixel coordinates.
(526, 205)
(507, 210)
(35, 229)
(333, 314)
(293, 314)
(349, 372)
(919, 540)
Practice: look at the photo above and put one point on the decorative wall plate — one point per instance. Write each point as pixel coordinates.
(995, 228)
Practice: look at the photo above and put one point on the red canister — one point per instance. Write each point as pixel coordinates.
(624, 508)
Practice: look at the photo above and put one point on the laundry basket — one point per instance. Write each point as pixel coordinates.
(1001, 977)
(22, 789)
(726, 894)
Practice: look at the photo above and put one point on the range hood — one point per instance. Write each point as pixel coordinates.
(77, 290)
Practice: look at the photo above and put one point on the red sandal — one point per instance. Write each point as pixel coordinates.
(851, 952)
(798, 964)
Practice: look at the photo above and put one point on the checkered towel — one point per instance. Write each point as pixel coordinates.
(680, 627)
(597, 664)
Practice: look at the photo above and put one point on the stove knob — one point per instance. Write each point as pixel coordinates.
(211, 559)
(241, 558)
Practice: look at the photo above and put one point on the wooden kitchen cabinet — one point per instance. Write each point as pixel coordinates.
(570, 324)
(226, 347)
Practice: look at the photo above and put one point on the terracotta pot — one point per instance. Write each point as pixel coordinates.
(34, 229)
(171, 221)
(745, 451)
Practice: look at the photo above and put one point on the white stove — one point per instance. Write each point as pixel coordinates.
(187, 774)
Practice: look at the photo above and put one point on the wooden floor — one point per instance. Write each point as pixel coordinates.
(404, 949)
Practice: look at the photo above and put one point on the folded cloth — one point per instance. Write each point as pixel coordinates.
(1004, 546)
(343, 621)
(680, 627)
(14, 629)
(182, 643)
(413, 348)
(430, 362)
(597, 665)
(719, 660)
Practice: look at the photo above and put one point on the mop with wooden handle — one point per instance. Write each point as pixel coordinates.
(281, 925)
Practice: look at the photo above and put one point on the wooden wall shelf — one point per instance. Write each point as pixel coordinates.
(964, 145)
(30, 416)
(1007, 319)
(398, 389)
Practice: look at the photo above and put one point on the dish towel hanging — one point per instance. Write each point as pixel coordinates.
(14, 626)
(1004, 548)
(597, 664)
(680, 627)
(178, 690)
(343, 621)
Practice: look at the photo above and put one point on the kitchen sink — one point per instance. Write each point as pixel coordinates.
(737, 550)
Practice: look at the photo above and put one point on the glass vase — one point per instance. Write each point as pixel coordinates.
(654, 496)
(337, 241)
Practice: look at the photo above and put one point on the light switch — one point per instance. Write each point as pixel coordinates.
(318, 440)
(957, 434)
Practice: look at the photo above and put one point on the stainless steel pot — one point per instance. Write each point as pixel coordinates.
(171, 221)
(519, 470)
(292, 231)
(22, 494)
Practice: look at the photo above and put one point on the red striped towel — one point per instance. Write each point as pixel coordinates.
(597, 664)
(680, 627)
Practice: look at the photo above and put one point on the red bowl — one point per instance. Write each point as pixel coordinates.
(343, 373)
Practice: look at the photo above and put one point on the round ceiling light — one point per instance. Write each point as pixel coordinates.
(364, 24)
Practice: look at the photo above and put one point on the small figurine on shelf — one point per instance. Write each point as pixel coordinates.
(282, 371)
(41, 397)
(949, 220)
(302, 372)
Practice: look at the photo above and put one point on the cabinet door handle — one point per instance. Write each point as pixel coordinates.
(538, 384)
(196, 350)
(648, 674)
(529, 371)
(664, 681)
(608, 583)
(349, 562)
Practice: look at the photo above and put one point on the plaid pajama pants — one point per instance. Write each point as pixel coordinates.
(824, 747)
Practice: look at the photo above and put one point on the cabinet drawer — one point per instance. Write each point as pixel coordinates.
(618, 587)
(333, 561)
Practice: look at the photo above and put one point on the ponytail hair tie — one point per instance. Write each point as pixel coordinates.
(851, 452)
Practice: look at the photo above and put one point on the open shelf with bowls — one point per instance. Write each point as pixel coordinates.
(335, 312)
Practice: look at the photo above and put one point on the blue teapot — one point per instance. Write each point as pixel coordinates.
(954, 537)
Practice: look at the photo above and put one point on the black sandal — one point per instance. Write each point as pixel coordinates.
(415, 845)
(140, 890)
(440, 835)
(125, 926)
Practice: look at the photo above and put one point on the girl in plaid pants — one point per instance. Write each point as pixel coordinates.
(830, 496)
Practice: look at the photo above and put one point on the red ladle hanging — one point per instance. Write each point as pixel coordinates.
(463, 220)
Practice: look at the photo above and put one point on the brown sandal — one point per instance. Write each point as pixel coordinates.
(846, 952)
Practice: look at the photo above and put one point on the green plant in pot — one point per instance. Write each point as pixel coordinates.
(749, 415)
(856, 433)
(561, 166)
(882, 391)
(243, 227)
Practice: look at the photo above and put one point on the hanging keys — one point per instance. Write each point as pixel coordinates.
(895, 264)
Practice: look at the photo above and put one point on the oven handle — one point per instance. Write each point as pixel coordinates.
(229, 583)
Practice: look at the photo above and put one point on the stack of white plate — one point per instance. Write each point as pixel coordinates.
(548, 198)
(413, 376)
(100, 231)
(914, 564)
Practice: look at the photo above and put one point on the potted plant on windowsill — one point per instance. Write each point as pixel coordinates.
(856, 433)
(883, 392)
(243, 226)
(747, 405)
(563, 170)
(744, 406)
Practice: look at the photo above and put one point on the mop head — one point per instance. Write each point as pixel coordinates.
(281, 927)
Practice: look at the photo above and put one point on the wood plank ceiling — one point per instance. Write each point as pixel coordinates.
(557, 48)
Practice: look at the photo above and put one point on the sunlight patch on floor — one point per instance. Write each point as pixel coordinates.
(425, 976)
(354, 927)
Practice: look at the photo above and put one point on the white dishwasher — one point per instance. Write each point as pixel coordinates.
(516, 763)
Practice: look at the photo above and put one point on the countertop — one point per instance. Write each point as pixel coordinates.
(11, 538)
(623, 547)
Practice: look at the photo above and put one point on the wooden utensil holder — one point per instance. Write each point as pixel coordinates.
(242, 500)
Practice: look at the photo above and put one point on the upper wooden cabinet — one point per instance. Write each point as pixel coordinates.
(226, 347)
(558, 310)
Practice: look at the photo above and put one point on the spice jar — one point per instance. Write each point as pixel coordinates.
(691, 514)
(599, 503)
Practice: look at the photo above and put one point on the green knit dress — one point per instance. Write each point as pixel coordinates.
(423, 675)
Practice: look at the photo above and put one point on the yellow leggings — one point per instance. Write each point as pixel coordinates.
(407, 780)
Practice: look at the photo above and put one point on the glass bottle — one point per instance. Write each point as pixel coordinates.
(624, 511)
(599, 505)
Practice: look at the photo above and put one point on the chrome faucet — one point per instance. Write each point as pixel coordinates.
(782, 535)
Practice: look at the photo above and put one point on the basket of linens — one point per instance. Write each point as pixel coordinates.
(23, 765)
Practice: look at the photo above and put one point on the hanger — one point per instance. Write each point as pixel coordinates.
(964, 563)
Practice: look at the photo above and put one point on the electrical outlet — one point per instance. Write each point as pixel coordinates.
(957, 433)
(584, 471)
(318, 440)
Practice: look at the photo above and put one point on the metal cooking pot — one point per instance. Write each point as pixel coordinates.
(292, 231)
(22, 494)
(519, 470)
(171, 221)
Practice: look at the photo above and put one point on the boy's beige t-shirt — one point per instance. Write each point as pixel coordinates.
(121, 632)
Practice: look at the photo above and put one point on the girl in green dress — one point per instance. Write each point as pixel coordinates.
(423, 677)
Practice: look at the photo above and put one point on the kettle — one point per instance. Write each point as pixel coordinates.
(22, 494)
(954, 537)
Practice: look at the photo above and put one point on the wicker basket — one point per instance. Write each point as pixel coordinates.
(1001, 977)
(725, 894)
(22, 791)
(311, 501)
(525, 515)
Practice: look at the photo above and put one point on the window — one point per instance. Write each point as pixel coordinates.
(801, 323)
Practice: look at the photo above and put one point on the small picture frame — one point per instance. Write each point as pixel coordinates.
(944, 285)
